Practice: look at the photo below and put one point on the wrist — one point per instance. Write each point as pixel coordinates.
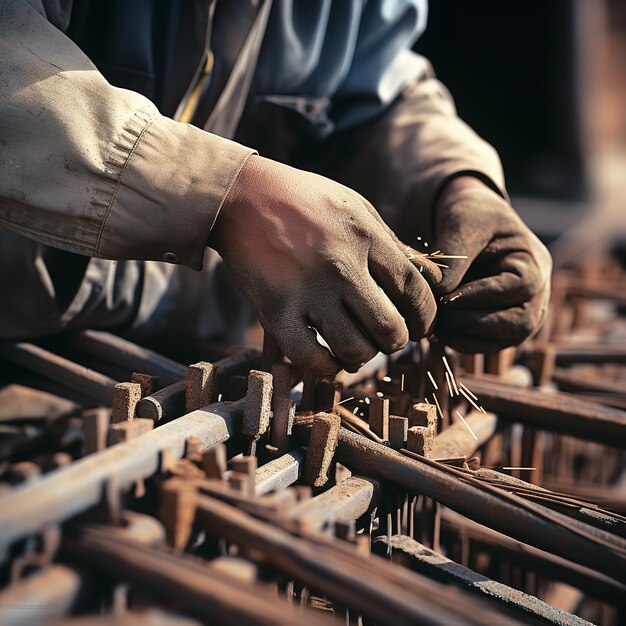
(238, 195)
(462, 183)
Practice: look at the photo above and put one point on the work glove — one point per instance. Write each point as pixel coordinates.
(498, 295)
(313, 255)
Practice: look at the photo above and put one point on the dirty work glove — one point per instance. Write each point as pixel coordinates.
(499, 295)
(312, 254)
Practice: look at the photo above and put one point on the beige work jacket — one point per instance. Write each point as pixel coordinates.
(92, 170)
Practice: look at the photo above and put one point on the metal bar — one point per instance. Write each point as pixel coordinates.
(611, 400)
(346, 501)
(509, 514)
(456, 441)
(207, 592)
(568, 354)
(571, 380)
(321, 450)
(374, 587)
(593, 583)
(281, 472)
(589, 515)
(602, 528)
(43, 597)
(63, 493)
(612, 497)
(169, 402)
(418, 557)
(59, 369)
(555, 412)
(58, 589)
(559, 501)
(164, 404)
(128, 355)
(453, 442)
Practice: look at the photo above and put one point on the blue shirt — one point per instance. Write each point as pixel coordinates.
(349, 58)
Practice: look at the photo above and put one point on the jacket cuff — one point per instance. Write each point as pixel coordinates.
(171, 186)
(402, 162)
(447, 147)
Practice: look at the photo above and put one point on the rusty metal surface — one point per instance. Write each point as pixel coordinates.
(165, 403)
(124, 401)
(525, 523)
(282, 422)
(70, 490)
(256, 419)
(169, 402)
(304, 538)
(590, 353)
(42, 597)
(457, 441)
(200, 386)
(58, 369)
(323, 438)
(572, 380)
(553, 411)
(596, 584)
(129, 355)
(425, 560)
(210, 594)
(281, 472)
(566, 504)
(47, 595)
(344, 502)
(384, 593)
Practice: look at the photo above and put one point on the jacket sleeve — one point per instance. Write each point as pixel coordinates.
(93, 169)
(414, 142)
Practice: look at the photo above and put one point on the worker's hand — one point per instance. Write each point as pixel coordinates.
(499, 295)
(310, 253)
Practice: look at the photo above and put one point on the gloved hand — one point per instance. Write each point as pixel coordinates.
(309, 252)
(499, 295)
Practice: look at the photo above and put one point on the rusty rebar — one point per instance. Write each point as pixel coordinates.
(510, 515)
(554, 412)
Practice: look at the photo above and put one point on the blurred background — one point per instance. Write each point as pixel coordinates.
(545, 83)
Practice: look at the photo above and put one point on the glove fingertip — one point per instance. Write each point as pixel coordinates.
(431, 273)
(447, 285)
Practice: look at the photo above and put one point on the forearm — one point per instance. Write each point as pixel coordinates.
(404, 161)
(460, 183)
(97, 170)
